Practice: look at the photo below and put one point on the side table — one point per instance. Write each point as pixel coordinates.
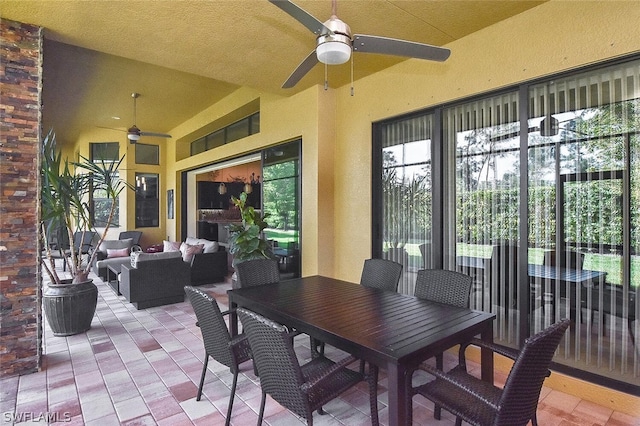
(113, 277)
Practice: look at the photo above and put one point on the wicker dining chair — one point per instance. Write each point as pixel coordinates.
(256, 272)
(301, 389)
(482, 404)
(381, 273)
(443, 286)
(218, 343)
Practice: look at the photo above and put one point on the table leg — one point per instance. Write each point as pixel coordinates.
(397, 376)
(486, 355)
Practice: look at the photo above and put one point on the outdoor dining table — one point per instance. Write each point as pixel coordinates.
(394, 331)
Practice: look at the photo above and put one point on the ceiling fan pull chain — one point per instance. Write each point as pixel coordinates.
(326, 80)
(351, 75)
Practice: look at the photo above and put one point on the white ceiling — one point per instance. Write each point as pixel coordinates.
(183, 56)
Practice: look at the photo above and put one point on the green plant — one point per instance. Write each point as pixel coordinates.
(65, 191)
(246, 240)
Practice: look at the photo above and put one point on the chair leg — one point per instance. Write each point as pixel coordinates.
(458, 421)
(231, 397)
(204, 372)
(317, 347)
(262, 402)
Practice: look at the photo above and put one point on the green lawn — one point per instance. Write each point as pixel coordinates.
(282, 237)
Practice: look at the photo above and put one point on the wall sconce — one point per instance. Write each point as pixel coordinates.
(222, 189)
(248, 188)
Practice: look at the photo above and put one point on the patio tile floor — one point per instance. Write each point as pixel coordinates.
(143, 368)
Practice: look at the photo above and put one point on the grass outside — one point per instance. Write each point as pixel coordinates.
(283, 238)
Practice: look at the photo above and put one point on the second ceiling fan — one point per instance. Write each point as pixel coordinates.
(334, 42)
(133, 132)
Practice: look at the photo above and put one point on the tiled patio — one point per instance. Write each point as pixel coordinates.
(143, 368)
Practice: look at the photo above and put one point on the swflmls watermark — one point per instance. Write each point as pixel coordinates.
(28, 416)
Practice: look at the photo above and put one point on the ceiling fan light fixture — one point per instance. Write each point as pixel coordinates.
(133, 133)
(333, 49)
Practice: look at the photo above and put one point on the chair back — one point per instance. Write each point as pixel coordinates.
(256, 272)
(442, 286)
(519, 398)
(275, 359)
(134, 235)
(84, 239)
(381, 273)
(215, 333)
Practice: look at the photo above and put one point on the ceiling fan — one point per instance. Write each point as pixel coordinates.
(335, 43)
(133, 132)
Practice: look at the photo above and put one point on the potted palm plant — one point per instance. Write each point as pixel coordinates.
(246, 239)
(70, 303)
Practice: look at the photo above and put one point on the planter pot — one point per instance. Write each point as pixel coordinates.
(69, 308)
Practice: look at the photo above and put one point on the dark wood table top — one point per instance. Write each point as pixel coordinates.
(392, 330)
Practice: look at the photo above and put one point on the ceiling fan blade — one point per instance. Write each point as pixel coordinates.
(302, 16)
(112, 128)
(391, 46)
(158, 135)
(305, 66)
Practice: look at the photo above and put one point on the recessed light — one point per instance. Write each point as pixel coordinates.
(115, 117)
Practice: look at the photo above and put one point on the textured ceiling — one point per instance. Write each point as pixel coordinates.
(183, 56)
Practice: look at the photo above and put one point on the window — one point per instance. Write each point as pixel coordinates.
(100, 204)
(238, 130)
(405, 225)
(147, 202)
(147, 154)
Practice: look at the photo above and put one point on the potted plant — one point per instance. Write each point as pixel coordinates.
(70, 303)
(246, 239)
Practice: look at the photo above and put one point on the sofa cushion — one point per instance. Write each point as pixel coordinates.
(169, 246)
(115, 244)
(209, 246)
(123, 252)
(147, 257)
(112, 261)
(189, 250)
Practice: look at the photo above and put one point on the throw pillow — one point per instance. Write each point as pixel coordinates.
(169, 246)
(188, 251)
(111, 253)
(209, 246)
(115, 244)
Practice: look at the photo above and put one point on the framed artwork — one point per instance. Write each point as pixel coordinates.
(170, 204)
